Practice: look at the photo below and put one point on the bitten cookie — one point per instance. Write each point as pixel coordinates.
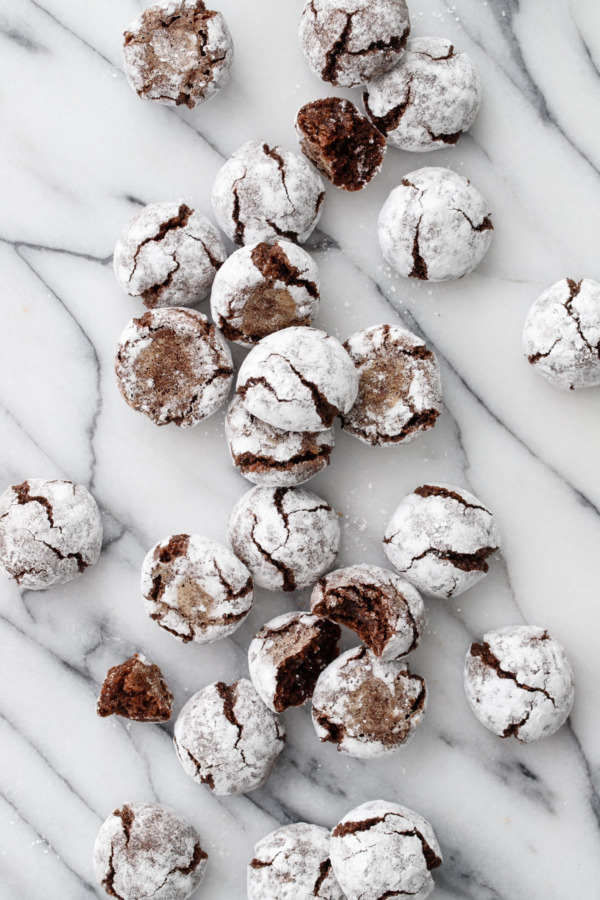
(349, 42)
(168, 255)
(519, 682)
(178, 53)
(561, 338)
(292, 863)
(137, 690)
(428, 100)
(440, 538)
(50, 532)
(145, 850)
(271, 457)
(399, 386)
(226, 738)
(173, 366)
(266, 192)
(195, 588)
(287, 656)
(384, 610)
(286, 536)
(368, 707)
(298, 379)
(263, 288)
(434, 226)
(381, 849)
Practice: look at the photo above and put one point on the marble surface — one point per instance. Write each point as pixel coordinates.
(79, 154)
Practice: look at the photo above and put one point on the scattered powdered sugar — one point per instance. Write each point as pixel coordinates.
(50, 532)
(519, 682)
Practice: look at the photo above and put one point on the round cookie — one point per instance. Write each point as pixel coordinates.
(263, 288)
(561, 338)
(349, 42)
(226, 738)
(519, 682)
(145, 850)
(195, 588)
(440, 539)
(270, 457)
(168, 255)
(263, 192)
(287, 537)
(178, 52)
(381, 849)
(298, 379)
(287, 656)
(434, 226)
(292, 863)
(385, 611)
(428, 100)
(50, 532)
(399, 386)
(173, 366)
(368, 707)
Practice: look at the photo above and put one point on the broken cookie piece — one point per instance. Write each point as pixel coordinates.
(519, 682)
(137, 690)
(146, 850)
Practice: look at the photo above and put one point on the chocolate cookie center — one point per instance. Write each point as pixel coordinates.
(267, 310)
(382, 383)
(164, 364)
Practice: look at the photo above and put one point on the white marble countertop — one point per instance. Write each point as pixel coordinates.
(79, 154)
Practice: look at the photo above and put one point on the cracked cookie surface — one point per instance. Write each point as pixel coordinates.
(349, 42)
(440, 538)
(292, 863)
(145, 850)
(382, 849)
(168, 255)
(262, 193)
(195, 588)
(263, 288)
(178, 52)
(227, 739)
(366, 706)
(519, 682)
(137, 690)
(50, 532)
(287, 537)
(435, 226)
(173, 366)
(399, 386)
(561, 337)
(428, 99)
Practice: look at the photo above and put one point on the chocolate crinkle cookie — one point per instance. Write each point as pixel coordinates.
(440, 538)
(367, 706)
(298, 379)
(178, 53)
(428, 100)
(263, 288)
(168, 255)
(399, 386)
(287, 656)
(340, 142)
(385, 611)
(263, 192)
(349, 42)
(292, 863)
(561, 338)
(226, 738)
(271, 457)
(381, 849)
(519, 682)
(173, 366)
(145, 850)
(435, 226)
(287, 537)
(195, 588)
(137, 690)
(50, 532)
